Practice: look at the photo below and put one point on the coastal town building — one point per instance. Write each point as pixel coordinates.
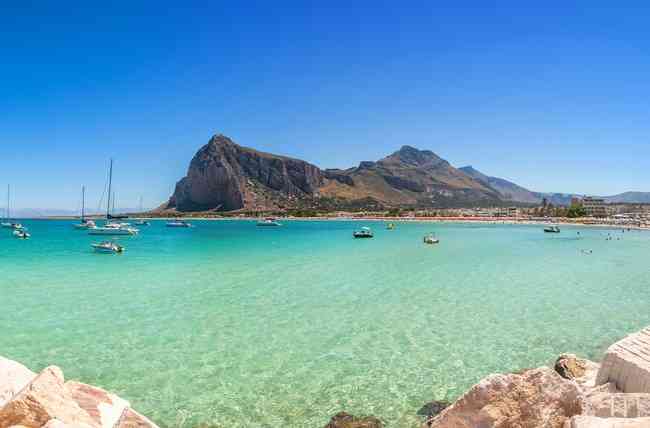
(594, 207)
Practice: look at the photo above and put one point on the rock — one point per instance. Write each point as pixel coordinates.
(105, 408)
(13, 378)
(617, 405)
(432, 409)
(570, 367)
(534, 398)
(132, 419)
(345, 420)
(43, 399)
(593, 422)
(627, 363)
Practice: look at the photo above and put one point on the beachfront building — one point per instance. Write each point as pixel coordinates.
(594, 207)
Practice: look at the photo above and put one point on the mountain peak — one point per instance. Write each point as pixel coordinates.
(413, 156)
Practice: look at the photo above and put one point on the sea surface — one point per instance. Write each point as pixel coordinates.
(232, 325)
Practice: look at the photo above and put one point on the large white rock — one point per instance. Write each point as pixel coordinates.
(105, 408)
(627, 363)
(532, 399)
(13, 378)
(616, 405)
(45, 398)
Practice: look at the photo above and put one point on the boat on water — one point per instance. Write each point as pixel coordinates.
(390, 226)
(108, 247)
(178, 223)
(8, 224)
(552, 229)
(430, 239)
(269, 221)
(364, 232)
(141, 221)
(21, 234)
(84, 223)
(111, 228)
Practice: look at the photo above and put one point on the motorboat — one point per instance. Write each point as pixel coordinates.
(430, 239)
(390, 226)
(14, 226)
(269, 221)
(21, 234)
(552, 229)
(364, 232)
(142, 222)
(178, 223)
(108, 247)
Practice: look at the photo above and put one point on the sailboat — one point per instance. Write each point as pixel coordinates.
(84, 223)
(8, 224)
(110, 228)
(141, 221)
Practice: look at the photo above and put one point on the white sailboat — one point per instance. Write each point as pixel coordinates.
(84, 223)
(109, 228)
(141, 221)
(8, 224)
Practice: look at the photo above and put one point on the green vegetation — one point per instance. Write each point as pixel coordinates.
(576, 211)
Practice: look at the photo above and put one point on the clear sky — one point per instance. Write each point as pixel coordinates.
(554, 97)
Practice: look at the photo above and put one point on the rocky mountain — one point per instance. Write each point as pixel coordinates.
(508, 190)
(225, 176)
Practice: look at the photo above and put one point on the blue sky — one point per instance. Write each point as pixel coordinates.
(553, 96)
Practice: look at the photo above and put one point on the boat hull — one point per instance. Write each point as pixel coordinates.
(108, 231)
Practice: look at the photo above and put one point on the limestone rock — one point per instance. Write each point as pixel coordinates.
(608, 405)
(627, 363)
(531, 399)
(345, 420)
(43, 399)
(105, 408)
(570, 367)
(13, 378)
(593, 422)
(132, 419)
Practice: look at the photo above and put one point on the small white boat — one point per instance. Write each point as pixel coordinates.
(178, 223)
(108, 247)
(364, 232)
(552, 229)
(14, 226)
(21, 234)
(269, 221)
(85, 224)
(113, 229)
(390, 226)
(142, 222)
(430, 239)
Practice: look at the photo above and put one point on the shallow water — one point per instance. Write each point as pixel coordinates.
(232, 325)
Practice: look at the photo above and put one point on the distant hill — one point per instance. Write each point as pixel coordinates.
(630, 198)
(508, 190)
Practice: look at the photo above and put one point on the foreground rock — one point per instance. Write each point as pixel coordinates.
(43, 399)
(13, 378)
(593, 422)
(46, 400)
(534, 398)
(627, 363)
(432, 409)
(345, 420)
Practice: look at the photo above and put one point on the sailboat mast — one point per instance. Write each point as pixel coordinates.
(83, 202)
(110, 183)
(7, 207)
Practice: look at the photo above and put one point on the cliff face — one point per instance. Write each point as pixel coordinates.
(225, 176)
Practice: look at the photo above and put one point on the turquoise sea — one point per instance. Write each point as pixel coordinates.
(230, 325)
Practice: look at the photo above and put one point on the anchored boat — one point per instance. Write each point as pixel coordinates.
(430, 239)
(269, 221)
(178, 223)
(552, 229)
(8, 224)
(364, 232)
(21, 234)
(112, 228)
(108, 247)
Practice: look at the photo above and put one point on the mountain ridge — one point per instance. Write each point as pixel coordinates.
(226, 176)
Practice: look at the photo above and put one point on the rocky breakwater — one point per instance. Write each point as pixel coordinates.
(575, 393)
(31, 400)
